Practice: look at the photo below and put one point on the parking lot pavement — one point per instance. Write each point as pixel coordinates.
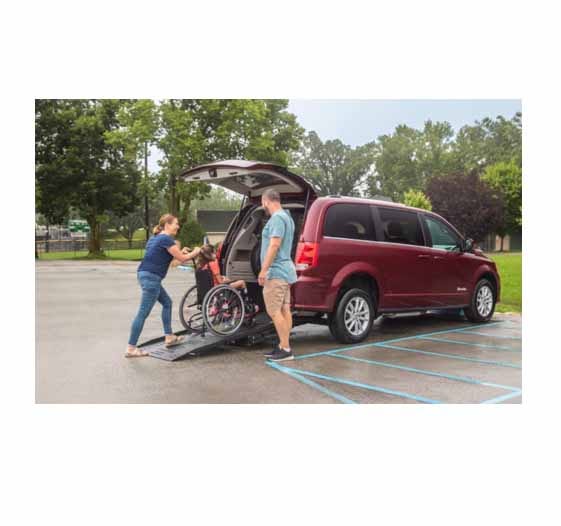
(83, 316)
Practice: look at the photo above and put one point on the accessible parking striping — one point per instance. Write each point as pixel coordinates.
(303, 375)
(493, 335)
(460, 342)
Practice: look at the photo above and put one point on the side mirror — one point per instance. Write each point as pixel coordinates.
(467, 245)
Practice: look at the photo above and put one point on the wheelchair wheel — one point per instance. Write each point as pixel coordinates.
(223, 310)
(190, 312)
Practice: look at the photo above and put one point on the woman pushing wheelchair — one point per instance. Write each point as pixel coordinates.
(161, 250)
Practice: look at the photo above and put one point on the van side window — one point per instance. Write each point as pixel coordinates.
(401, 226)
(351, 221)
(442, 236)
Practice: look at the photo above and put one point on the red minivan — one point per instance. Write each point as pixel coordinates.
(356, 259)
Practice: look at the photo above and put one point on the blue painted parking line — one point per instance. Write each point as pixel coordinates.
(307, 381)
(473, 344)
(456, 378)
(304, 375)
(370, 344)
(355, 384)
(493, 335)
(445, 355)
(442, 332)
(502, 398)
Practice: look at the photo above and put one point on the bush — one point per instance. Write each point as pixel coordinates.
(191, 234)
(417, 199)
(469, 203)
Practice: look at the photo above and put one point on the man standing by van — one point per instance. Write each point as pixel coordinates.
(277, 271)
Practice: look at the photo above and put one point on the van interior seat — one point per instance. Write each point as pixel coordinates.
(394, 232)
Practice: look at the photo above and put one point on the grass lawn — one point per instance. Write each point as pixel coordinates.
(510, 270)
(134, 254)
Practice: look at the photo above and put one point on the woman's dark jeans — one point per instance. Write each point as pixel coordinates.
(152, 291)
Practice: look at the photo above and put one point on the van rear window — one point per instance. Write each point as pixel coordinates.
(350, 221)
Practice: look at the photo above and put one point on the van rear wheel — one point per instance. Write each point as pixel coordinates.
(353, 317)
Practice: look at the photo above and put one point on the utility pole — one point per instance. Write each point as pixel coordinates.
(146, 214)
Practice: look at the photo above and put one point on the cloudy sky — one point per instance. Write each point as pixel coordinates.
(356, 122)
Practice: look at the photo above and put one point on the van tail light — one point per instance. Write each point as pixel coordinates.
(306, 255)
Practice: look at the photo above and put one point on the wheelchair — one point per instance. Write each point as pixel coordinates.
(220, 309)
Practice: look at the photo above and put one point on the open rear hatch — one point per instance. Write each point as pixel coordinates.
(252, 178)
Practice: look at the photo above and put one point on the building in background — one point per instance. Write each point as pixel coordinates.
(215, 223)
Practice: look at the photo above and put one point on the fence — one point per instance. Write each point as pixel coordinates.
(78, 247)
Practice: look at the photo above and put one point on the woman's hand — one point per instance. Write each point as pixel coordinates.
(195, 252)
(183, 255)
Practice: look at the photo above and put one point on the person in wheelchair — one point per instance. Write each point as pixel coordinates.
(222, 316)
(207, 260)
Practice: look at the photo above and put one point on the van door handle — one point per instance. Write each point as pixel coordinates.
(438, 257)
(423, 256)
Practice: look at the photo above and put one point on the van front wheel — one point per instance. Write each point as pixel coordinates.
(482, 304)
(352, 320)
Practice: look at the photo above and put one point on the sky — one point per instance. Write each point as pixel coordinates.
(357, 122)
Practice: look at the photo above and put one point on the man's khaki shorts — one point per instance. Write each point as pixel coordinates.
(276, 293)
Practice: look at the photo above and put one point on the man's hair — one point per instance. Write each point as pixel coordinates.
(271, 195)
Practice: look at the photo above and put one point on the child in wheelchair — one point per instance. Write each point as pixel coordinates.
(207, 260)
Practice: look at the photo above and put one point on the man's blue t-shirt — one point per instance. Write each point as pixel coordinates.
(280, 225)
(157, 258)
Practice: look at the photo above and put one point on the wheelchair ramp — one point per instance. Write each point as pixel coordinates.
(197, 343)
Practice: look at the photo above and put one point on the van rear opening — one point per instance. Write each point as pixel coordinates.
(242, 258)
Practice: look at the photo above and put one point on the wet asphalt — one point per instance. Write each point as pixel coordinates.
(83, 316)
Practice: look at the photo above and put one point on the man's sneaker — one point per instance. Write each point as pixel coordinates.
(275, 349)
(280, 355)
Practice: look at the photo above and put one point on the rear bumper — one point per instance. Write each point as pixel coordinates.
(310, 293)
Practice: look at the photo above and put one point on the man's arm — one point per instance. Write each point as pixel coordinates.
(270, 255)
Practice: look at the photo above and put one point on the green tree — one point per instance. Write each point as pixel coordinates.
(77, 166)
(127, 224)
(417, 199)
(139, 124)
(408, 158)
(53, 184)
(488, 142)
(197, 131)
(507, 178)
(334, 167)
(218, 199)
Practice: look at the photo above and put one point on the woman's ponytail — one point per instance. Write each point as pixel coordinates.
(165, 219)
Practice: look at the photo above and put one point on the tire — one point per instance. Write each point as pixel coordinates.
(352, 303)
(223, 303)
(482, 304)
(187, 309)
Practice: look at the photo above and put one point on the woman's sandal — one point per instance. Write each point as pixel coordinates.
(176, 341)
(136, 353)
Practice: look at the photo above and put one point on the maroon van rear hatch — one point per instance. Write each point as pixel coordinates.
(250, 178)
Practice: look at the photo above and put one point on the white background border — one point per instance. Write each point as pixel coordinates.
(281, 464)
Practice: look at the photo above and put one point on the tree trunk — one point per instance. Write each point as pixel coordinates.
(94, 243)
(47, 236)
(173, 204)
(502, 243)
